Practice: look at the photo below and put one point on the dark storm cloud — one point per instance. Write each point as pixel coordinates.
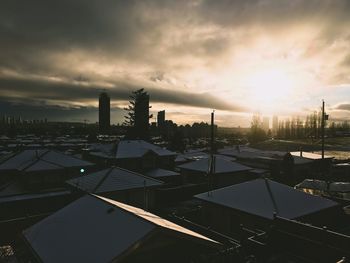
(68, 92)
(32, 30)
(271, 13)
(49, 38)
(346, 61)
(343, 106)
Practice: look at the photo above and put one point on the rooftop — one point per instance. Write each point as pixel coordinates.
(97, 229)
(138, 148)
(112, 179)
(222, 165)
(40, 160)
(161, 173)
(310, 155)
(257, 197)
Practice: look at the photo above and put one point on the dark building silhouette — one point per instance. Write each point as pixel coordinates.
(142, 115)
(161, 118)
(104, 118)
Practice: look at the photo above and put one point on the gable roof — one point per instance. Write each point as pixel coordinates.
(97, 229)
(40, 160)
(112, 179)
(138, 148)
(161, 173)
(310, 155)
(342, 187)
(198, 155)
(254, 197)
(222, 165)
(246, 152)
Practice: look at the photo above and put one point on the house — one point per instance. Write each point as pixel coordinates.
(166, 176)
(288, 167)
(119, 184)
(43, 168)
(101, 153)
(98, 229)
(139, 155)
(197, 155)
(318, 164)
(35, 182)
(225, 172)
(339, 191)
(256, 203)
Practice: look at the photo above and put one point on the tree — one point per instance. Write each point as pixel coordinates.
(257, 133)
(137, 117)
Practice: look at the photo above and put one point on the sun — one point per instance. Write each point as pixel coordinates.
(269, 87)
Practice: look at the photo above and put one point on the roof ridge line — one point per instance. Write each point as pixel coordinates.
(36, 160)
(103, 179)
(136, 173)
(271, 196)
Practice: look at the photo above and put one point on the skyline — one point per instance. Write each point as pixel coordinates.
(272, 57)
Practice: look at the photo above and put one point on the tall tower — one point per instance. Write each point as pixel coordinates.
(142, 116)
(161, 118)
(274, 124)
(266, 124)
(104, 108)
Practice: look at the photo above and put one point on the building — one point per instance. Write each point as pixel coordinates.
(119, 184)
(161, 119)
(274, 125)
(35, 187)
(139, 155)
(225, 172)
(339, 191)
(256, 203)
(43, 167)
(98, 229)
(266, 124)
(166, 176)
(142, 116)
(104, 109)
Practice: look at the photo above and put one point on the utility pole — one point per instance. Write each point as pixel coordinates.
(212, 134)
(322, 128)
(211, 167)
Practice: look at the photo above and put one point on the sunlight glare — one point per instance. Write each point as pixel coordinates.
(270, 86)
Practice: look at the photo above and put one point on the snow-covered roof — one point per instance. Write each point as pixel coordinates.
(112, 179)
(97, 229)
(161, 173)
(194, 156)
(309, 155)
(343, 187)
(254, 197)
(324, 186)
(250, 153)
(301, 160)
(138, 148)
(180, 159)
(221, 166)
(312, 184)
(102, 155)
(40, 160)
(21, 195)
(103, 147)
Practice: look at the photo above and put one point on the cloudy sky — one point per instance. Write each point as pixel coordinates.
(192, 56)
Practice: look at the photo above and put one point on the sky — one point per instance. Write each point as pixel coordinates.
(192, 56)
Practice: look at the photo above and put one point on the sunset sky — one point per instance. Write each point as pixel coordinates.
(192, 56)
